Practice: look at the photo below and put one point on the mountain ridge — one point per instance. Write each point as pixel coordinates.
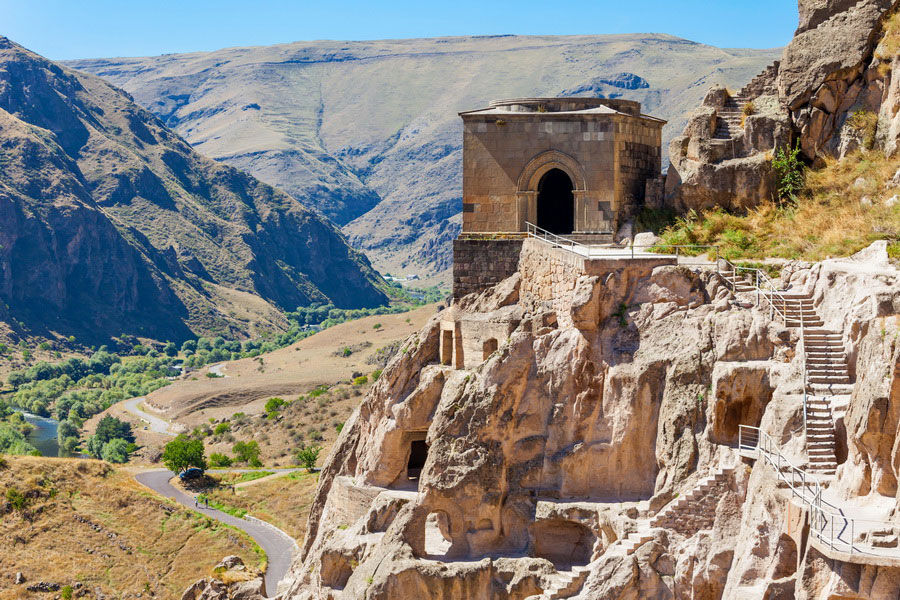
(367, 131)
(120, 226)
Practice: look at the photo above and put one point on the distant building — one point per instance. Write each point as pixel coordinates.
(575, 167)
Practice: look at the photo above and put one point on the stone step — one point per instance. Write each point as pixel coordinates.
(829, 380)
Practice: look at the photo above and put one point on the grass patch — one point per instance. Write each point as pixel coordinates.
(826, 220)
(234, 478)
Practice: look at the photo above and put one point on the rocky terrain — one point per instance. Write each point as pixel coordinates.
(834, 91)
(368, 132)
(113, 224)
(613, 398)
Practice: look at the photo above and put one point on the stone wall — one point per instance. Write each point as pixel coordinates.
(481, 264)
(555, 279)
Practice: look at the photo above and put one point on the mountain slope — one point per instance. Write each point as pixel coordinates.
(368, 131)
(112, 223)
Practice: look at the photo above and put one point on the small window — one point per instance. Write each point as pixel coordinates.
(488, 348)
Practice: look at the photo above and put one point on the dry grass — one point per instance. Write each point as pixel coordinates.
(830, 219)
(283, 501)
(85, 522)
(889, 46)
(289, 373)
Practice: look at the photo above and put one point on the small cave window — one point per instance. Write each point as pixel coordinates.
(418, 454)
(488, 348)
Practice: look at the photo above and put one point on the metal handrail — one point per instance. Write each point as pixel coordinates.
(773, 296)
(824, 516)
(559, 241)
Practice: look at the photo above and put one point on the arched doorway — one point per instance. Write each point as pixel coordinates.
(556, 203)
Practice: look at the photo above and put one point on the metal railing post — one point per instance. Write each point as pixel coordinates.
(852, 537)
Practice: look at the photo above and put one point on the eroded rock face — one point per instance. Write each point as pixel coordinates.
(599, 396)
(835, 67)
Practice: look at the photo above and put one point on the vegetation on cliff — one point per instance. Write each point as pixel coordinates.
(843, 207)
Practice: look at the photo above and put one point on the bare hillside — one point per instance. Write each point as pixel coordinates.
(368, 131)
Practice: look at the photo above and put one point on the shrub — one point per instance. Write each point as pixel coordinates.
(116, 451)
(376, 374)
(217, 459)
(864, 123)
(222, 428)
(16, 499)
(274, 404)
(181, 453)
(361, 380)
(66, 592)
(308, 455)
(376, 326)
(788, 174)
(247, 452)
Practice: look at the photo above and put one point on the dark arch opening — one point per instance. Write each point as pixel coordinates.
(418, 454)
(556, 203)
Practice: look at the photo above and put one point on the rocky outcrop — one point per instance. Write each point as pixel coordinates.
(833, 91)
(613, 395)
(596, 406)
(112, 224)
(231, 580)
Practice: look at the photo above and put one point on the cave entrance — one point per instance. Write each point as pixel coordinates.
(418, 454)
(556, 203)
(564, 543)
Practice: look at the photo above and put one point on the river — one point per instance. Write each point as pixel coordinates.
(43, 436)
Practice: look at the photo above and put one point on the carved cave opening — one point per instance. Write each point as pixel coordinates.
(446, 347)
(564, 543)
(556, 203)
(418, 454)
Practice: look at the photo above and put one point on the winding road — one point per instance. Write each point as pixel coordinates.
(156, 424)
(278, 546)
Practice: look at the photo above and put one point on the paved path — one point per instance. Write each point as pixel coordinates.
(277, 545)
(157, 425)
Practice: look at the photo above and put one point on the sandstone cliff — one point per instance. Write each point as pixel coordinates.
(833, 91)
(112, 224)
(520, 443)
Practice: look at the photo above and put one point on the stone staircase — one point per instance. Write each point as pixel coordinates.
(728, 121)
(728, 118)
(820, 436)
(565, 584)
(688, 514)
(826, 371)
(739, 283)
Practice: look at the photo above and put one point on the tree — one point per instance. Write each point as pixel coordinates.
(111, 427)
(247, 452)
(170, 349)
(308, 455)
(116, 451)
(181, 453)
(274, 404)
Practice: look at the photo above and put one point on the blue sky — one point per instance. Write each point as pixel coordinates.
(63, 29)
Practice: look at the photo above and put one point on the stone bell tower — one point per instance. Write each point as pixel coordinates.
(574, 167)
